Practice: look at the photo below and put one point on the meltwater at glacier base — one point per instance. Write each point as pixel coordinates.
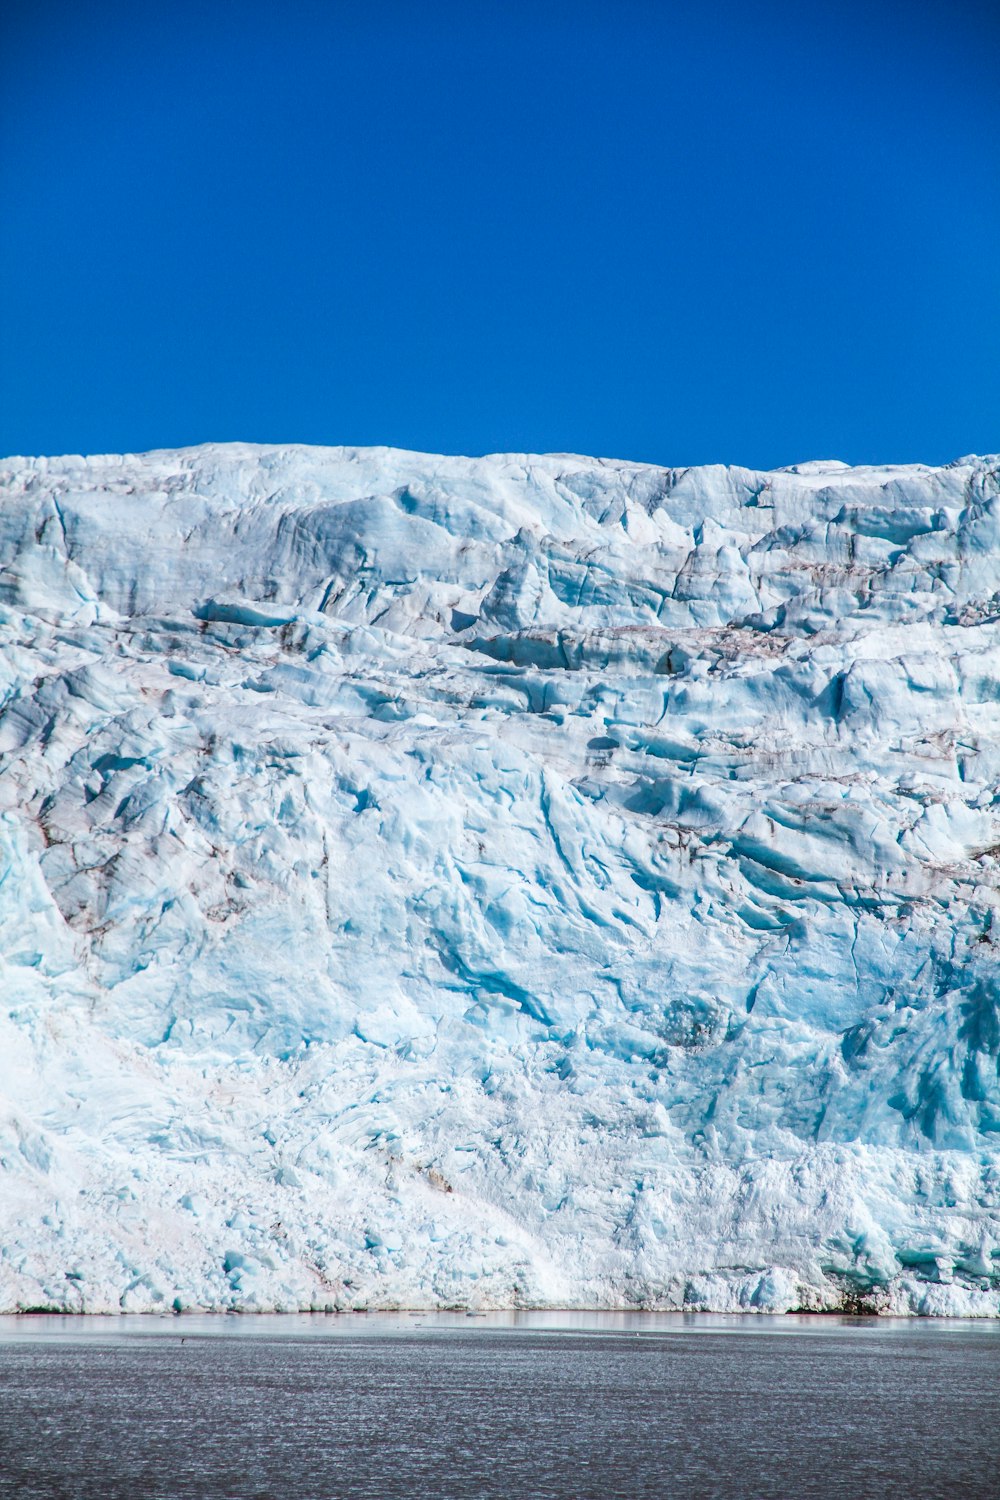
(506, 882)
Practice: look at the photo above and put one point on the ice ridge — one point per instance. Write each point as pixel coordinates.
(517, 881)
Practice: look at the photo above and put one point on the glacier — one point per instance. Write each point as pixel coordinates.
(525, 881)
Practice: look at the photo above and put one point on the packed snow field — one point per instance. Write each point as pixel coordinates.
(521, 881)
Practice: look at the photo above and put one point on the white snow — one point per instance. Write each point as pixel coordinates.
(512, 881)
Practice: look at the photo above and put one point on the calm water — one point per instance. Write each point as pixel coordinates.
(290, 1408)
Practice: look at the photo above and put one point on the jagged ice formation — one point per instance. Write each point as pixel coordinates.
(512, 881)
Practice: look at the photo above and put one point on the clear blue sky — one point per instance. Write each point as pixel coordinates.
(749, 233)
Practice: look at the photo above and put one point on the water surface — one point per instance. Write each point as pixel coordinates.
(556, 1405)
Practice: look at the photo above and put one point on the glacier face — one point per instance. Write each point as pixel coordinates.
(514, 881)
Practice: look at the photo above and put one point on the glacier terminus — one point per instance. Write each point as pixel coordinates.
(525, 881)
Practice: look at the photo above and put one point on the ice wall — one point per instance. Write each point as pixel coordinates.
(512, 881)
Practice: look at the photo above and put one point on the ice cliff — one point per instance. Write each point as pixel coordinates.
(512, 881)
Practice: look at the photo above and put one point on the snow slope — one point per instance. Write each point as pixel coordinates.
(512, 881)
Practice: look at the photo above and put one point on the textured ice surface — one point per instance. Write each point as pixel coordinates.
(513, 881)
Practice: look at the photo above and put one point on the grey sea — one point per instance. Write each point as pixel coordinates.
(555, 1405)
